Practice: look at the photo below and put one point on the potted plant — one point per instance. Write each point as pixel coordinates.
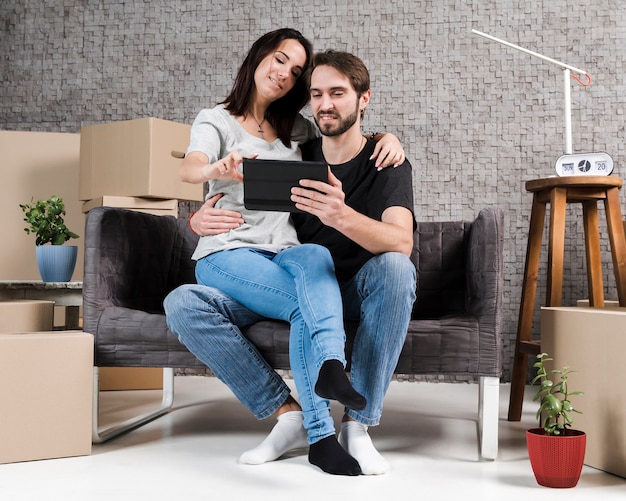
(556, 451)
(56, 261)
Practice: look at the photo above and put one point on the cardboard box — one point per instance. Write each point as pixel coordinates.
(46, 393)
(156, 206)
(134, 158)
(592, 341)
(131, 378)
(25, 315)
(37, 165)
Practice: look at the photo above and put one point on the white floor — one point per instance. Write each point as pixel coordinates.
(428, 435)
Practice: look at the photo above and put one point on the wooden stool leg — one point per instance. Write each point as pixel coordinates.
(556, 246)
(617, 239)
(593, 253)
(527, 306)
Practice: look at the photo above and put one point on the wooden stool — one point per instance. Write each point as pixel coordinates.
(559, 191)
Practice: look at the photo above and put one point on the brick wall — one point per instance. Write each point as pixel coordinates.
(477, 119)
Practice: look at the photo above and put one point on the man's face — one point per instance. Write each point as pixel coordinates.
(334, 102)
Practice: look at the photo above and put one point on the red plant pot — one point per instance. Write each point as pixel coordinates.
(556, 460)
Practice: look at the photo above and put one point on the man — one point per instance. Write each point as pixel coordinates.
(364, 216)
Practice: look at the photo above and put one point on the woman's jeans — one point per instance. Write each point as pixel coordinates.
(380, 297)
(297, 285)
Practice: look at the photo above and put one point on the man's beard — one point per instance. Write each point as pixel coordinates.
(343, 125)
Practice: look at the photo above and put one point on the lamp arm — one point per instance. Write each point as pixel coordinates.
(567, 69)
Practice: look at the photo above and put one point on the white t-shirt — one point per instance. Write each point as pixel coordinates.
(216, 133)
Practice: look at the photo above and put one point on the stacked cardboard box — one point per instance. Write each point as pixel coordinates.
(35, 166)
(135, 158)
(156, 206)
(24, 315)
(45, 384)
(592, 341)
(46, 392)
(130, 378)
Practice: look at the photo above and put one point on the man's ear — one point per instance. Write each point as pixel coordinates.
(365, 99)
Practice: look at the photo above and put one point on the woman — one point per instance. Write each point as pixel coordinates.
(261, 264)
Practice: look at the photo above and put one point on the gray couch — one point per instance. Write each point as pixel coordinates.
(133, 260)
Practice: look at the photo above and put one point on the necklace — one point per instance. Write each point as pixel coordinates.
(359, 149)
(356, 153)
(260, 129)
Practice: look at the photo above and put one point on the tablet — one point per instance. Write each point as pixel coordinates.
(267, 183)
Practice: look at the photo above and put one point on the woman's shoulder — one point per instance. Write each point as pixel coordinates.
(217, 118)
(217, 112)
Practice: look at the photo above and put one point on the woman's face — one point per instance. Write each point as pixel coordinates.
(277, 72)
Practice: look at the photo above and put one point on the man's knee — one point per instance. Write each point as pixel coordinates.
(395, 270)
(189, 299)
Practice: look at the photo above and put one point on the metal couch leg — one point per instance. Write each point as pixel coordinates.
(98, 436)
(488, 416)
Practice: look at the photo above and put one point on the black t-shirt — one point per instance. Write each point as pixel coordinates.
(367, 191)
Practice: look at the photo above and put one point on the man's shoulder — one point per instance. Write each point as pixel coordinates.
(400, 172)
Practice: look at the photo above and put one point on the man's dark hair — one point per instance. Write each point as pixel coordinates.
(345, 63)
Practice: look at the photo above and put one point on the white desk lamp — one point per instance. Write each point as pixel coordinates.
(588, 164)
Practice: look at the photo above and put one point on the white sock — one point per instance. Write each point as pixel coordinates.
(357, 442)
(288, 433)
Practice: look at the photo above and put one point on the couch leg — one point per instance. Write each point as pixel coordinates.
(488, 416)
(97, 436)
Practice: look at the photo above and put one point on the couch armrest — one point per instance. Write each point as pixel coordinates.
(485, 281)
(133, 260)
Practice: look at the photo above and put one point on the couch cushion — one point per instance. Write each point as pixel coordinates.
(439, 256)
(133, 338)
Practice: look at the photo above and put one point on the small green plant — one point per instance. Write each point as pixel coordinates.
(45, 220)
(555, 407)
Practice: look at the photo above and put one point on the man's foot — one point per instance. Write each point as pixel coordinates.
(333, 383)
(355, 439)
(287, 434)
(328, 455)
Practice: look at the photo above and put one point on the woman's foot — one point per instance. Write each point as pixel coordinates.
(333, 383)
(328, 455)
(288, 433)
(355, 439)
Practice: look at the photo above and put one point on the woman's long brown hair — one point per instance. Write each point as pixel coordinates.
(281, 113)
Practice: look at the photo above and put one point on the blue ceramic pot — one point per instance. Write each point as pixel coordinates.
(56, 262)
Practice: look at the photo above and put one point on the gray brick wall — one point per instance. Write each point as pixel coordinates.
(477, 119)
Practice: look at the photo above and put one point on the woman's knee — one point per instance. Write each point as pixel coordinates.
(311, 251)
(307, 255)
(176, 299)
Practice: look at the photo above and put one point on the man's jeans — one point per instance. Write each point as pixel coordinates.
(380, 297)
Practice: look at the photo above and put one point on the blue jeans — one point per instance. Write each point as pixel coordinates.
(380, 297)
(297, 285)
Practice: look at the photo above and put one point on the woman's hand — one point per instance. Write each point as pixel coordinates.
(195, 168)
(226, 168)
(211, 221)
(388, 151)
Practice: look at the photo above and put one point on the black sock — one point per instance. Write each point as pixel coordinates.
(333, 383)
(328, 455)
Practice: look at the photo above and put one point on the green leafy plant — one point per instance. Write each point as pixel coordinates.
(555, 408)
(45, 220)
